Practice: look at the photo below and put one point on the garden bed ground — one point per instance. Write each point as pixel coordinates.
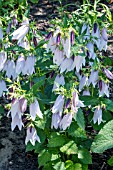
(12, 144)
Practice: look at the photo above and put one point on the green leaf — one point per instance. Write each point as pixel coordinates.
(68, 163)
(84, 156)
(76, 131)
(34, 1)
(108, 103)
(79, 117)
(48, 167)
(44, 157)
(56, 139)
(40, 123)
(69, 148)
(104, 139)
(59, 166)
(88, 100)
(110, 161)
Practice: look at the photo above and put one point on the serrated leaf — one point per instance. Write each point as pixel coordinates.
(79, 117)
(104, 139)
(84, 156)
(59, 166)
(44, 157)
(76, 131)
(56, 139)
(69, 148)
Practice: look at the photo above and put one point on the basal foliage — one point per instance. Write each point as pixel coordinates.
(59, 84)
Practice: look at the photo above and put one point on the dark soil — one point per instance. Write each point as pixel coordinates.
(12, 144)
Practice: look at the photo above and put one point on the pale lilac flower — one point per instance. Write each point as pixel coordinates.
(16, 121)
(66, 65)
(21, 32)
(35, 110)
(87, 29)
(58, 57)
(3, 58)
(2, 87)
(78, 75)
(78, 62)
(58, 105)
(56, 118)
(96, 35)
(104, 89)
(97, 115)
(66, 121)
(23, 104)
(24, 43)
(20, 63)
(108, 74)
(14, 21)
(8, 28)
(86, 93)
(59, 80)
(103, 40)
(29, 66)
(1, 34)
(9, 67)
(91, 53)
(67, 47)
(93, 78)
(83, 82)
(32, 136)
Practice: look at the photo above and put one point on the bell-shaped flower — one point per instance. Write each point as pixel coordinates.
(58, 57)
(66, 121)
(35, 110)
(2, 87)
(1, 34)
(56, 118)
(103, 89)
(97, 115)
(93, 78)
(90, 52)
(21, 32)
(86, 93)
(108, 74)
(86, 29)
(96, 35)
(9, 67)
(103, 40)
(32, 136)
(59, 80)
(20, 63)
(8, 28)
(16, 121)
(14, 21)
(83, 82)
(66, 65)
(23, 104)
(29, 66)
(24, 43)
(58, 105)
(67, 47)
(3, 58)
(78, 62)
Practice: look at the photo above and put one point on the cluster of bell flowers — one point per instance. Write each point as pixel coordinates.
(60, 120)
(18, 108)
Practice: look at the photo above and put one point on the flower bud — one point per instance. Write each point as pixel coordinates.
(49, 35)
(100, 84)
(95, 27)
(58, 39)
(35, 41)
(67, 103)
(23, 104)
(72, 37)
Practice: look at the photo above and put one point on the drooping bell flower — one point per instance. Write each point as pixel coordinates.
(58, 39)
(86, 28)
(108, 74)
(24, 43)
(66, 121)
(2, 87)
(103, 40)
(14, 21)
(103, 88)
(35, 110)
(96, 35)
(67, 47)
(29, 66)
(1, 34)
(58, 57)
(91, 53)
(78, 62)
(72, 37)
(83, 82)
(66, 65)
(58, 105)
(9, 67)
(93, 78)
(97, 115)
(21, 32)
(32, 136)
(23, 104)
(86, 93)
(3, 58)
(56, 118)
(20, 63)
(16, 121)
(59, 80)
